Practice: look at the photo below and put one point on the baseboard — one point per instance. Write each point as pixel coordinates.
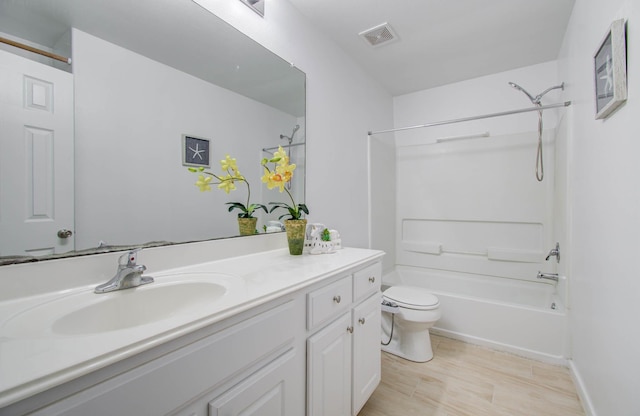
(522, 352)
(585, 400)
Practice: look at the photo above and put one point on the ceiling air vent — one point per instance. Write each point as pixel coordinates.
(380, 35)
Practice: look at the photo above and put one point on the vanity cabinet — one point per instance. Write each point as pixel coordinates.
(343, 352)
(253, 367)
(310, 349)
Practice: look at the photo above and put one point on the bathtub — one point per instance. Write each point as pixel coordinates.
(521, 317)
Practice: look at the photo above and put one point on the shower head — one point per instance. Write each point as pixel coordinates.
(536, 100)
(290, 139)
(519, 88)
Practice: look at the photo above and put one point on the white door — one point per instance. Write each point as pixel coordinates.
(36, 157)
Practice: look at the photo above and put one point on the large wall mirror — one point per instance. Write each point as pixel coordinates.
(96, 147)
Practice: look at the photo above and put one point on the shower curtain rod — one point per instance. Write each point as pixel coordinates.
(459, 120)
(266, 149)
(36, 50)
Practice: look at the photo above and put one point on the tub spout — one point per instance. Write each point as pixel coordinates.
(549, 276)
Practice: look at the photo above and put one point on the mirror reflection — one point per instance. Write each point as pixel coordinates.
(92, 153)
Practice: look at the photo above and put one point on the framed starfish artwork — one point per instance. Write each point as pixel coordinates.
(610, 65)
(195, 151)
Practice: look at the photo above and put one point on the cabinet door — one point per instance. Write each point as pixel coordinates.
(329, 369)
(366, 350)
(263, 393)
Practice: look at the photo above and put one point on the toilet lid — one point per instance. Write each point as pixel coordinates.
(411, 297)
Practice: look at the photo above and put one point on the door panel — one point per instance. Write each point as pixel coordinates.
(36, 157)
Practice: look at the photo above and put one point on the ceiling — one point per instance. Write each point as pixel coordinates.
(183, 35)
(442, 41)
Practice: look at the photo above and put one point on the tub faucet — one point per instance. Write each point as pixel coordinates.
(549, 276)
(129, 274)
(554, 252)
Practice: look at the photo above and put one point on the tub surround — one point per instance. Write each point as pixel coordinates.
(261, 272)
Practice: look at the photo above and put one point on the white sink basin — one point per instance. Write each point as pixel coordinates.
(177, 297)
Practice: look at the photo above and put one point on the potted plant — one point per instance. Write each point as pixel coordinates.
(227, 182)
(277, 177)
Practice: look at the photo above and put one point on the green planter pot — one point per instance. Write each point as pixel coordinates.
(295, 235)
(247, 226)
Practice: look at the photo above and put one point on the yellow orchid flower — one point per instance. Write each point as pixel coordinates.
(265, 177)
(227, 184)
(272, 179)
(277, 178)
(203, 183)
(286, 171)
(282, 155)
(229, 163)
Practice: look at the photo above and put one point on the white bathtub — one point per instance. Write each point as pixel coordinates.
(525, 318)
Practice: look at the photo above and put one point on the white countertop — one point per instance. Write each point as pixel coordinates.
(32, 364)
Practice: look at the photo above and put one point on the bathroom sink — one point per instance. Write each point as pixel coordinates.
(180, 297)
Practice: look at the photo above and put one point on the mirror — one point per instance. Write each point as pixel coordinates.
(143, 74)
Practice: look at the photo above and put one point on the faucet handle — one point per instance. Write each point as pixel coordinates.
(554, 252)
(129, 259)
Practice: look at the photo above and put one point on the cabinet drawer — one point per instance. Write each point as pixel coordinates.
(328, 301)
(367, 281)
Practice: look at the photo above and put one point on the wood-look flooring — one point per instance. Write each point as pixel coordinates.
(465, 379)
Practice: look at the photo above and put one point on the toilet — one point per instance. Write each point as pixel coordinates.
(411, 311)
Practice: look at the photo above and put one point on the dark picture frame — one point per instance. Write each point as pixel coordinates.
(196, 151)
(610, 71)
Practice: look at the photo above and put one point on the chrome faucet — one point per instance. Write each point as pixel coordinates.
(129, 274)
(548, 276)
(554, 252)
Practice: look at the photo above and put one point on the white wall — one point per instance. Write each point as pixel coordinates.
(343, 103)
(147, 195)
(475, 205)
(604, 212)
(483, 95)
(382, 183)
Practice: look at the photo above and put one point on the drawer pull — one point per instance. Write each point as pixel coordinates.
(350, 329)
(337, 298)
(372, 279)
(361, 320)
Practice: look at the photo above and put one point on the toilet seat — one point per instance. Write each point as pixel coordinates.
(411, 297)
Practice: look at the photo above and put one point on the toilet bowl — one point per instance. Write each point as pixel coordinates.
(406, 320)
